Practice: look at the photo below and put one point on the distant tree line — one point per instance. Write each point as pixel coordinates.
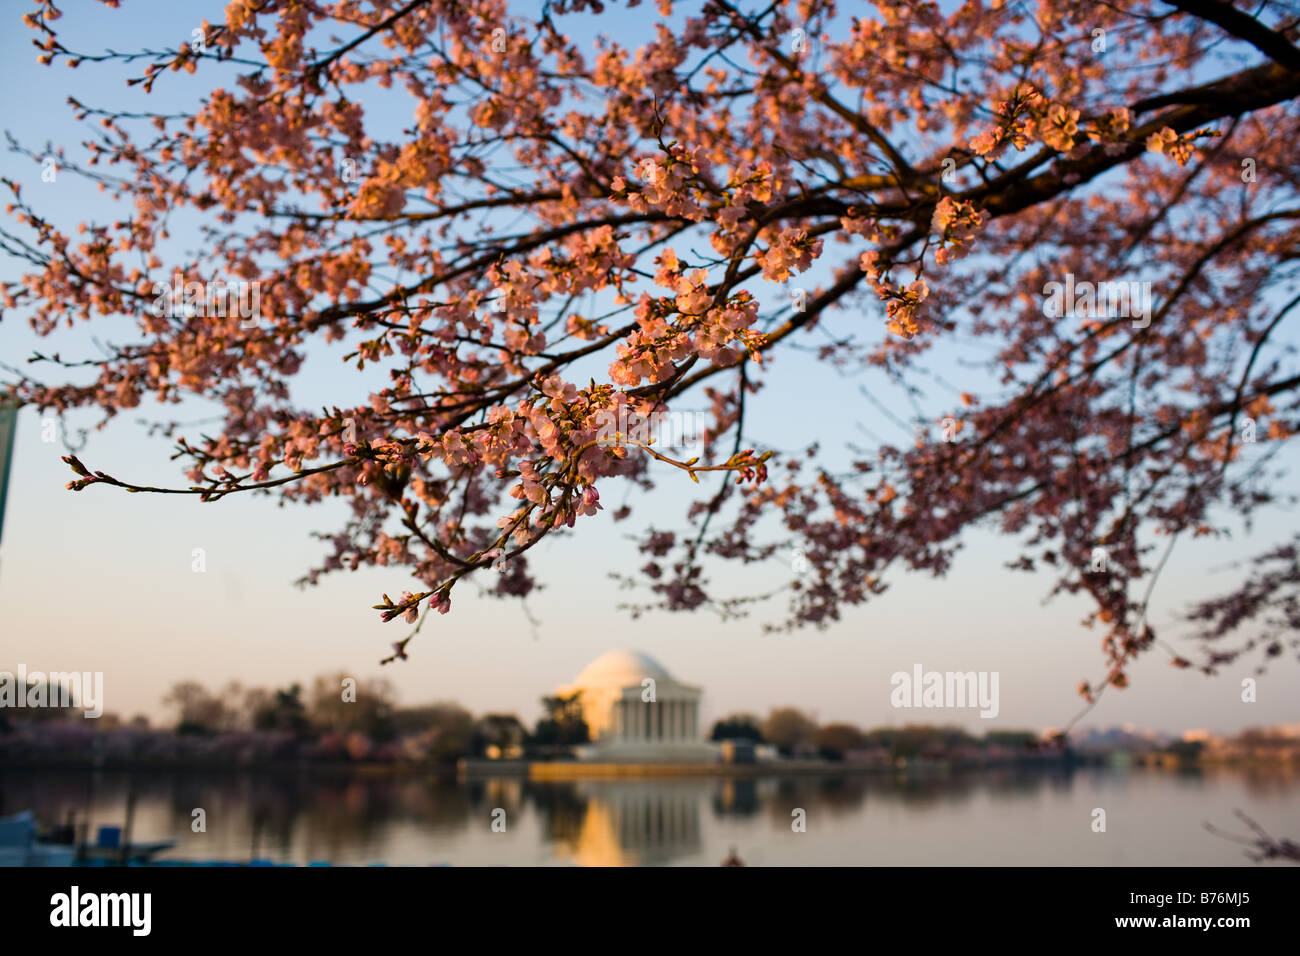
(369, 716)
(339, 717)
(794, 734)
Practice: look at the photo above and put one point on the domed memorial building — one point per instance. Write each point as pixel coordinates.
(636, 712)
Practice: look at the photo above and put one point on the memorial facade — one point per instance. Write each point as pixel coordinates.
(637, 712)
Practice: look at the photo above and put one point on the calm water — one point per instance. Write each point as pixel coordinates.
(993, 817)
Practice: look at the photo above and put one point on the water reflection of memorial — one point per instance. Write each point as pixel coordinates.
(634, 824)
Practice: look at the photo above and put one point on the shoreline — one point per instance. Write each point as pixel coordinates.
(562, 770)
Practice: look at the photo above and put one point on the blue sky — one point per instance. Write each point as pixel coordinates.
(102, 580)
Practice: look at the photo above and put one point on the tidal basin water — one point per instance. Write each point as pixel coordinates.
(1000, 818)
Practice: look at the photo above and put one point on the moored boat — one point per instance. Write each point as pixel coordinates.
(19, 845)
(23, 844)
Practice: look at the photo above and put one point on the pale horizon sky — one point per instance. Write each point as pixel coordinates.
(102, 580)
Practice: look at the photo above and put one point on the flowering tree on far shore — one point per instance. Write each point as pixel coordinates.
(567, 240)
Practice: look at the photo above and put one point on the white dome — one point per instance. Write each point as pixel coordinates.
(618, 669)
